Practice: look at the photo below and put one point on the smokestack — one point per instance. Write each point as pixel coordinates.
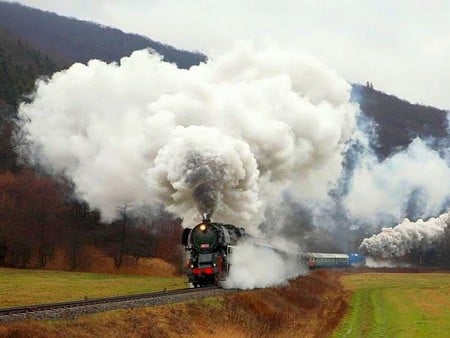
(206, 219)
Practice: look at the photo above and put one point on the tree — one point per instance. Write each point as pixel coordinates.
(8, 144)
(119, 257)
(116, 238)
(32, 215)
(168, 239)
(80, 231)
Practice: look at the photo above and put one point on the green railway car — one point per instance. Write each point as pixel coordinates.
(327, 260)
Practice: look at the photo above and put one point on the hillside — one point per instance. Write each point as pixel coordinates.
(398, 121)
(74, 40)
(20, 65)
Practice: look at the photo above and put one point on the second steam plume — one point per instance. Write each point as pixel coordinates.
(398, 241)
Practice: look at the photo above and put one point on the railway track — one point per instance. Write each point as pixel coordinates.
(76, 308)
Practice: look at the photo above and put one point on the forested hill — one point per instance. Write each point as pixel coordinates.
(74, 40)
(398, 122)
(20, 66)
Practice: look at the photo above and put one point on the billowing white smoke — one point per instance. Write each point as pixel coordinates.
(372, 262)
(380, 190)
(259, 267)
(219, 175)
(221, 138)
(403, 238)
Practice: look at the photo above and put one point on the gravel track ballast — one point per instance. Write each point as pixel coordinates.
(67, 310)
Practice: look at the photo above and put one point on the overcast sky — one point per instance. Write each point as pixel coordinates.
(402, 46)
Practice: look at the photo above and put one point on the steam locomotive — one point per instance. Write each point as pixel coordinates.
(208, 248)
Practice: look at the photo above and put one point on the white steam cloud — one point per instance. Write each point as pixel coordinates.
(384, 189)
(385, 263)
(403, 238)
(259, 267)
(220, 138)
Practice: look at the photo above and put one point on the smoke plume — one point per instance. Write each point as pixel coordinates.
(222, 138)
(377, 263)
(403, 238)
(417, 179)
(259, 267)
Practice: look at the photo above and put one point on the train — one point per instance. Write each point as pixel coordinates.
(209, 247)
(334, 260)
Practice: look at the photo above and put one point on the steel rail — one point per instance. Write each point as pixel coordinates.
(160, 295)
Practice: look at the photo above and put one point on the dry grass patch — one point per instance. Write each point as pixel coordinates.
(91, 259)
(24, 287)
(167, 321)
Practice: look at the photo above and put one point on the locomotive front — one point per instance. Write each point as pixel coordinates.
(205, 237)
(205, 262)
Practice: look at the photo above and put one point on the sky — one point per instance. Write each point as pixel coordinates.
(402, 46)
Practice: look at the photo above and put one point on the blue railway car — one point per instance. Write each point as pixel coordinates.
(356, 259)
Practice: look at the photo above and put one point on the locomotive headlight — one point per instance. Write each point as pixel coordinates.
(192, 266)
(203, 227)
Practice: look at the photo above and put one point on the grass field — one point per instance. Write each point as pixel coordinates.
(24, 287)
(381, 305)
(397, 305)
(310, 306)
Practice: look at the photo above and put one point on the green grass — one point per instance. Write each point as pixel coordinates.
(397, 305)
(24, 287)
